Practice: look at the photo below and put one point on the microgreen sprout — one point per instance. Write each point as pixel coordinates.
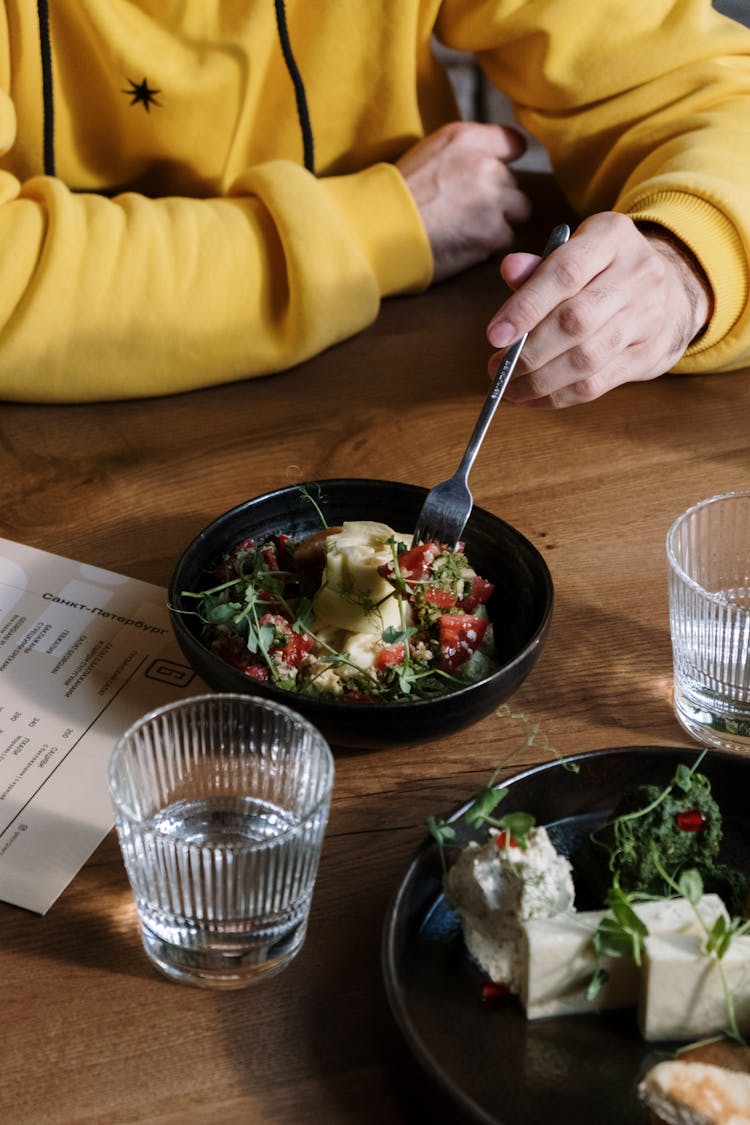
(480, 813)
(516, 825)
(620, 933)
(310, 499)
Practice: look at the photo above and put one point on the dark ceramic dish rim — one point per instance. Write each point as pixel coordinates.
(389, 950)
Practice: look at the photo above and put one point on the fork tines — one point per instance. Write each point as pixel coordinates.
(445, 513)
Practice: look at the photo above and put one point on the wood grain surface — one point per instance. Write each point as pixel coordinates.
(91, 1033)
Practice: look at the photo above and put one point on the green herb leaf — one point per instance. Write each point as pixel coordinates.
(392, 635)
(683, 777)
(691, 886)
(719, 937)
(598, 979)
(518, 824)
(612, 940)
(440, 830)
(484, 805)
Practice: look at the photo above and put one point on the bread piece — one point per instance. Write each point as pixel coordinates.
(695, 1093)
(690, 1092)
(719, 1052)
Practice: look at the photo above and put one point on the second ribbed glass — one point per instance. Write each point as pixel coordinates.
(708, 549)
(221, 805)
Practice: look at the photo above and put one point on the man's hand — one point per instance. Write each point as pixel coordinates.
(611, 306)
(466, 194)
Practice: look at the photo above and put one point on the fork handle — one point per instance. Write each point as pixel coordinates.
(559, 235)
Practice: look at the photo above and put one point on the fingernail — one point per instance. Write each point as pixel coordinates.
(501, 333)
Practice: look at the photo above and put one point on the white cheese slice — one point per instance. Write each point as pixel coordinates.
(559, 958)
(682, 993)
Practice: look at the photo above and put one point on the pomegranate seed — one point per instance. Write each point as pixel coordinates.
(503, 840)
(692, 820)
(493, 995)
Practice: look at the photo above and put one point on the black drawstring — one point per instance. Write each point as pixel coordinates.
(49, 109)
(299, 88)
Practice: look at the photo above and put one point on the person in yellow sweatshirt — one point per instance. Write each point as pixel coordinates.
(210, 190)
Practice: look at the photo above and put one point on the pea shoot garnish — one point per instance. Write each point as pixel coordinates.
(513, 827)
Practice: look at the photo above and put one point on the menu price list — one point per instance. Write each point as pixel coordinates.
(83, 653)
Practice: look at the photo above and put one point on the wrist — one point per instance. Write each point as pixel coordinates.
(694, 280)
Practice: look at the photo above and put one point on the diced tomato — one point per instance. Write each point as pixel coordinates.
(414, 564)
(460, 634)
(289, 646)
(480, 592)
(391, 654)
(503, 840)
(257, 672)
(443, 599)
(245, 545)
(280, 624)
(283, 552)
(270, 558)
(297, 648)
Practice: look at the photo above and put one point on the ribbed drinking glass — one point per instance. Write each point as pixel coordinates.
(708, 548)
(221, 804)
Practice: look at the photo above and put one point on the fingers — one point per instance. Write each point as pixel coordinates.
(564, 273)
(604, 309)
(466, 195)
(499, 141)
(493, 142)
(585, 365)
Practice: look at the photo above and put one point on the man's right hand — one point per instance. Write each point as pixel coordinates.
(466, 194)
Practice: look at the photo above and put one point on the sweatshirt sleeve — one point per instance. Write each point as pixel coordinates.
(643, 109)
(107, 298)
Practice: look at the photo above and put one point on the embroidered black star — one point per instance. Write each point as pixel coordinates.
(143, 93)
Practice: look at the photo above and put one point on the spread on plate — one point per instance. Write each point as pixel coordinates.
(497, 887)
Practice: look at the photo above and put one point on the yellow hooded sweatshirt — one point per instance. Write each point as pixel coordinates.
(197, 191)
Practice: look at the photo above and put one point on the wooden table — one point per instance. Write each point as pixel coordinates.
(90, 1032)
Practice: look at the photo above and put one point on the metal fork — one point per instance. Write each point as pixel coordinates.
(447, 506)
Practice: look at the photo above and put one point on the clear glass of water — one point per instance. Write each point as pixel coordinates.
(708, 549)
(221, 804)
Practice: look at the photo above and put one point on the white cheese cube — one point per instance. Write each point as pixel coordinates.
(682, 994)
(559, 962)
(559, 958)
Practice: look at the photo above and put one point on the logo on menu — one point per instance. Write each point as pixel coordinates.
(169, 672)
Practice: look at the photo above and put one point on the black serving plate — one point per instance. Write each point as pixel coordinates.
(520, 607)
(493, 1065)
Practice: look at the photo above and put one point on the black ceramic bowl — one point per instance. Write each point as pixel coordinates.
(520, 607)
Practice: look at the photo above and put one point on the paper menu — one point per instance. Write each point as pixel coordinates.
(83, 653)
